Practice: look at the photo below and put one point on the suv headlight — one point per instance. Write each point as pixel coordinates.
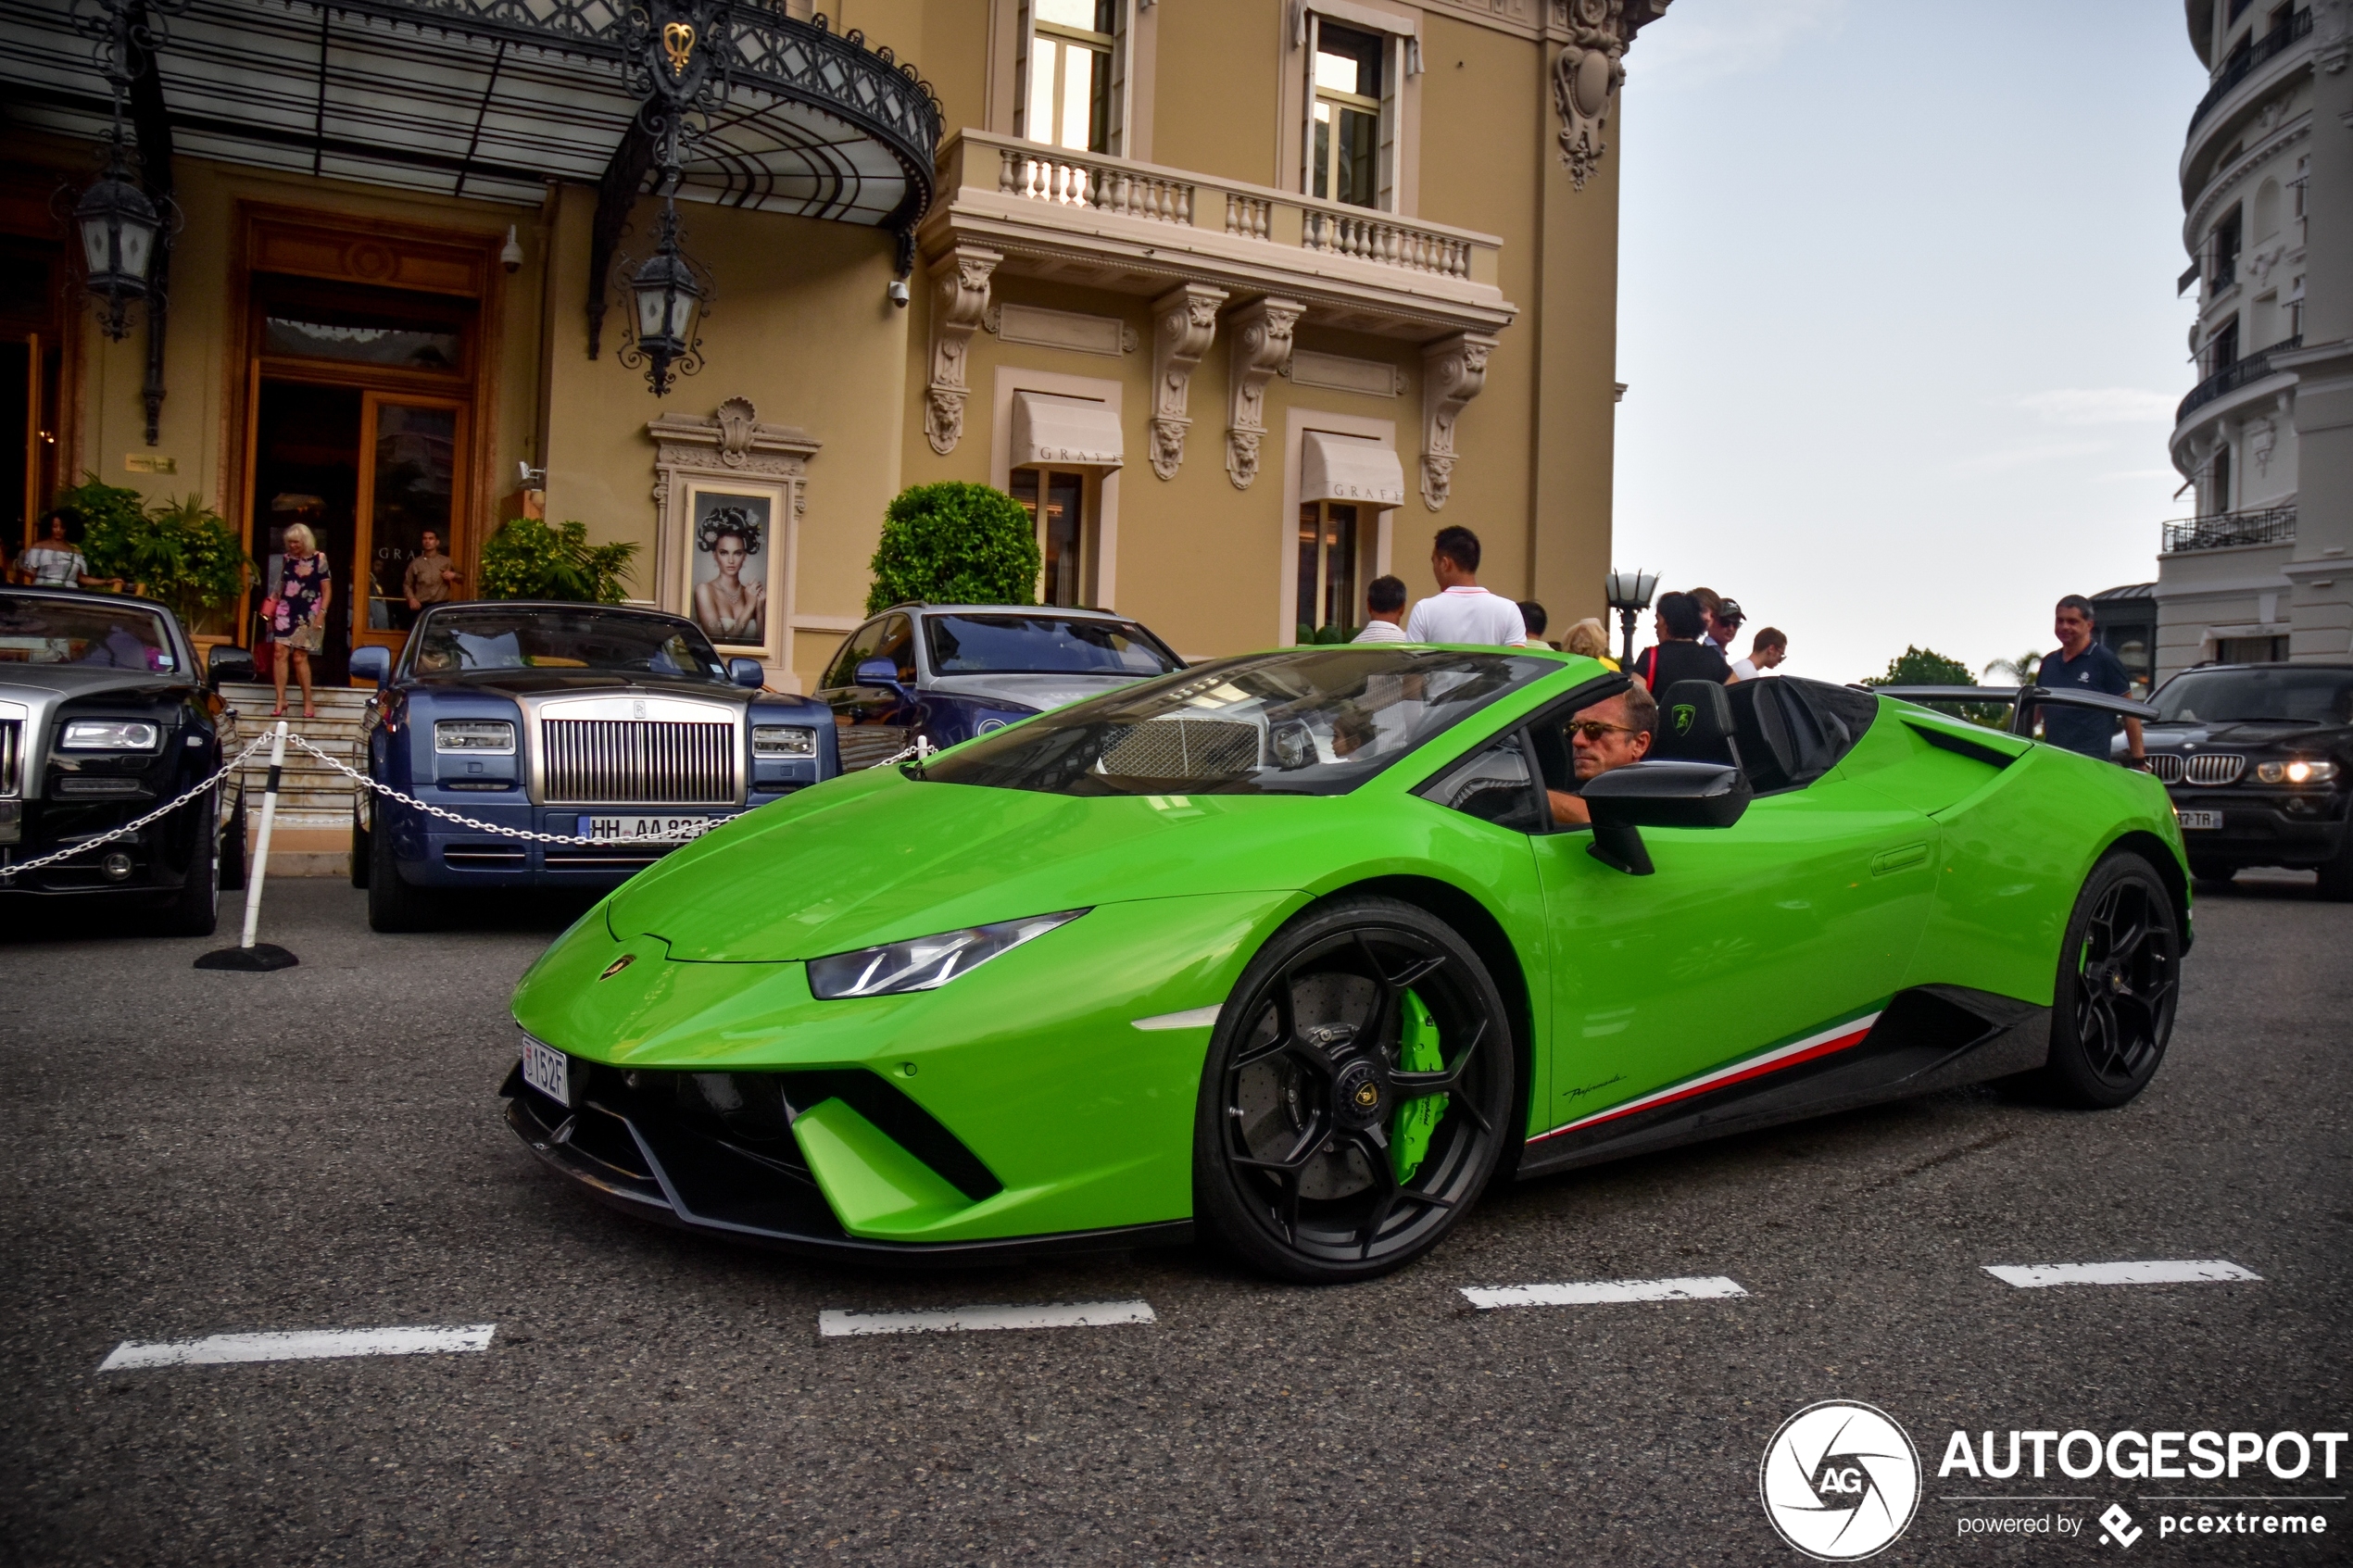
(783, 740)
(476, 735)
(2299, 772)
(111, 735)
(925, 963)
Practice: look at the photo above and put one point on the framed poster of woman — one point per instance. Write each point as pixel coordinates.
(734, 565)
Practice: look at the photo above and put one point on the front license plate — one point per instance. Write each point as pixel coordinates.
(645, 827)
(2194, 820)
(549, 1070)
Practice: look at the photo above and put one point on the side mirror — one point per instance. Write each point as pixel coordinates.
(881, 672)
(746, 672)
(371, 664)
(1658, 795)
(228, 664)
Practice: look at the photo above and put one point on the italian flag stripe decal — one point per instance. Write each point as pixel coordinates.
(1838, 1037)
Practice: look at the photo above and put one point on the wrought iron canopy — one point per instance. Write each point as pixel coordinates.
(491, 99)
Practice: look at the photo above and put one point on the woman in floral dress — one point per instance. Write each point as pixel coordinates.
(297, 613)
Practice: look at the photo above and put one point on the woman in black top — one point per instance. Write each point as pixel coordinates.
(1680, 656)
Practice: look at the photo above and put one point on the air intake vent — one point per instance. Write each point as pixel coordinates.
(638, 762)
(2214, 768)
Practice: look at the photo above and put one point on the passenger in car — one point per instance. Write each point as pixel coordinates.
(1611, 734)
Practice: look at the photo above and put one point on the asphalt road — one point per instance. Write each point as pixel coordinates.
(194, 1153)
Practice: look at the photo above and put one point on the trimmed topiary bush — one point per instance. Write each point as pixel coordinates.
(529, 559)
(953, 542)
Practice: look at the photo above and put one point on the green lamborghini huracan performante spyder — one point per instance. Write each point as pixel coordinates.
(1290, 948)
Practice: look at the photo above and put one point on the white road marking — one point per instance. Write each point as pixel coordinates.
(835, 1322)
(2033, 1277)
(1600, 1292)
(301, 1345)
(1192, 1018)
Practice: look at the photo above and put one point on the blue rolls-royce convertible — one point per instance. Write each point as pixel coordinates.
(944, 673)
(581, 720)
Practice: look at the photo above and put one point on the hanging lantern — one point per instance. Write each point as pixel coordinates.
(668, 298)
(119, 226)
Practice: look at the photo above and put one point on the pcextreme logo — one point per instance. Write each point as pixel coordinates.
(1840, 1480)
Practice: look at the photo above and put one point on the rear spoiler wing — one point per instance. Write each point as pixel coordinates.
(2026, 698)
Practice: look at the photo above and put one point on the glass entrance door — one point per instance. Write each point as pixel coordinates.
(1056, 501)
(1330, 551)
(411, 451)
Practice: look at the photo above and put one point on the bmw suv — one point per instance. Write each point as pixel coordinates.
(2259, 759)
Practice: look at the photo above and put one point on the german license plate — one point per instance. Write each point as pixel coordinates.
(679, 828)
(2194, 819)
(549, 1070)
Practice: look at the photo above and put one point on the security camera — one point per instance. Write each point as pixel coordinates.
(898, 293)
(512, 252)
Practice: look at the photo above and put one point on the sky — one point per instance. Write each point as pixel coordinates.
(1896, 313)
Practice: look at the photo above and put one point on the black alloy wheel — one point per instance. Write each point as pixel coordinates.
(195, 910)
(2120, 978)
(393, 905)
(1359, 1092)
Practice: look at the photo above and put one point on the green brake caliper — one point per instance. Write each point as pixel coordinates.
(1415, 1120)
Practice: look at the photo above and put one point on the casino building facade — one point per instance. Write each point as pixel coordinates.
(2265, 437)
(1242, 298)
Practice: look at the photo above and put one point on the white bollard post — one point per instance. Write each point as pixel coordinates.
(245, 954)
(260, 867)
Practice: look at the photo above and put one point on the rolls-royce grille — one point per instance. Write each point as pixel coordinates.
(2166, 766)
(638, 762)
(2214, 768)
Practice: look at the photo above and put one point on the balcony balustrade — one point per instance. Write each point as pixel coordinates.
(1134, 225)
(2267, 525)
(2231, 377)
(2241, 66)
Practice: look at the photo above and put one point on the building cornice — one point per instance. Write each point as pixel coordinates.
(2200, 212)
(2229, 405)
(2224, 117)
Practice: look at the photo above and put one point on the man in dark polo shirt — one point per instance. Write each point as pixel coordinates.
(2080, 664)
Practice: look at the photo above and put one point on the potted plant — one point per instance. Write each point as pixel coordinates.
(530, 559)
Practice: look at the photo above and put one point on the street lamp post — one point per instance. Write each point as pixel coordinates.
(1629, 593)
(678, 57)
(118, 224)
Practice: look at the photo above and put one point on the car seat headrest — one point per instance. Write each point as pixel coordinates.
(1695, 715)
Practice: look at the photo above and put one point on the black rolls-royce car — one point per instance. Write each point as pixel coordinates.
(104, 713)
(2259, 759)
(585, 722)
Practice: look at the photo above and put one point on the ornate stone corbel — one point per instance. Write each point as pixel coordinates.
(1261, 334)
(959, 299)
(1184, 323)
(1453, 369)
(2332, 34)
(1588, 73)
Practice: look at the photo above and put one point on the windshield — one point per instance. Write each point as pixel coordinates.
(620, 641)
(103, 634)
(1304, 721)
(2285, 694)
(1043, 645)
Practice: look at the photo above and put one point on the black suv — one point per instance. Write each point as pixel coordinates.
(2259, 759)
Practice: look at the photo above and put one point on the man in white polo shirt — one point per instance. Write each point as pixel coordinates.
(1463, 612)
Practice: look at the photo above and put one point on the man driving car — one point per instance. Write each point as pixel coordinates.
(1611, 734)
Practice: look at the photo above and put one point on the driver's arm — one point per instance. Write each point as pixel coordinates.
(1569, 811)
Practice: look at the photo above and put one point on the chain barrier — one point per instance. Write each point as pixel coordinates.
(479, 826)
(137, 822)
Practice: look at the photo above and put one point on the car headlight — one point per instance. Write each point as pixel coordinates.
(475, 735)
(111, 735)
(925, 963)
(2300, 771)
(783, 740)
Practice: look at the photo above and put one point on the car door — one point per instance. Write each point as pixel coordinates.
(1789, 929)
(870, 722)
